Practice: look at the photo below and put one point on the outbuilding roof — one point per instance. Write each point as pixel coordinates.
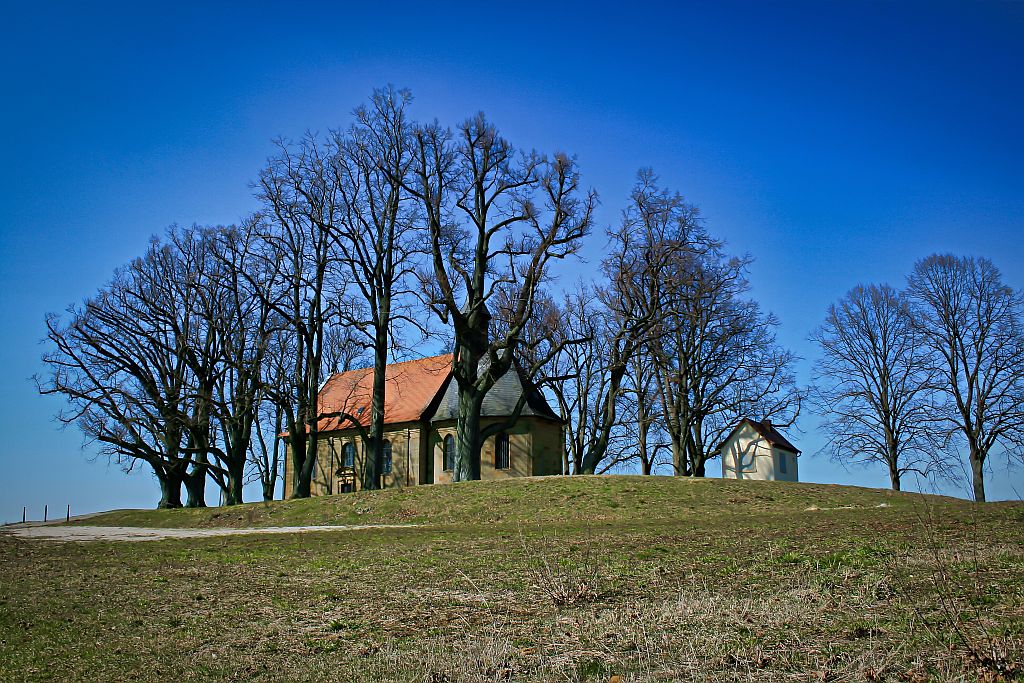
(767, 431)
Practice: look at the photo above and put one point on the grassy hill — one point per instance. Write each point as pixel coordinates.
(548, 500)
(560, 579)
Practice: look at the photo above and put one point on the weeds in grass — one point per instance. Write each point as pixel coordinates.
(960, 594)
(568, 579)
(776, 595)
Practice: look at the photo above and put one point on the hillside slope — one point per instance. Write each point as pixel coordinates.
(596, 499)
(598, 579)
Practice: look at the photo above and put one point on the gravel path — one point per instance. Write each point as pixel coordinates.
(131, 533)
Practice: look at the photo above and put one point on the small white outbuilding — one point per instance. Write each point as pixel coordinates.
(756, 450)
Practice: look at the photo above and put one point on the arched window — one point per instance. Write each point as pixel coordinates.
(502, 459)
(348, 455)
(449, 453)
(386, 448)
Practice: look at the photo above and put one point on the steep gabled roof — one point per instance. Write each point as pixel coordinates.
(501, 400)
(418, 390)
(411, 386)
(767, 431)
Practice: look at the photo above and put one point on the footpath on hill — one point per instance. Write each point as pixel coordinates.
(49, 532)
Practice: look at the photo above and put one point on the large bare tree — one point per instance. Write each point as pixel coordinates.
(872, 383)
(302, 202)
(237, 325)
(642, 414)
(718, 361)
(495, 218)
(119, 362)
(379, 244)
(971, 322)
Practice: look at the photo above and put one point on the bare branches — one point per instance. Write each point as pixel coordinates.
(122, 362)
(872, 383)
(378, 242)
(496, 219)
(971, 324)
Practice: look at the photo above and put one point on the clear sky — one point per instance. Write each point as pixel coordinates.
(835, 142)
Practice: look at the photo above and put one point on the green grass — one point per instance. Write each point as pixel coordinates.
(534, 580)
(600, 499)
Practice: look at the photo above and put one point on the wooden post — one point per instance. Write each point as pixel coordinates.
(69, 512)
(44, 512)
(24, 511)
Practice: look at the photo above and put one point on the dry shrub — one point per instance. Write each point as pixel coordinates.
(569, 576)
(957, 619)
(489, 657)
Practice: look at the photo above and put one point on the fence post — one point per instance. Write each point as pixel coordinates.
(44, 512)
(24, 511)
(69, 512)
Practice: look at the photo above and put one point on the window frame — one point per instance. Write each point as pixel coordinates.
(782, 463)
(445, 451)
(348, 452)
(386, 454)
(502, 439)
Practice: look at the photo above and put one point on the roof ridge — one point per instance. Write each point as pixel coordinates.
(390, 365)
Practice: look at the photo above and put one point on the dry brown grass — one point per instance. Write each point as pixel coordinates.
(857, 594)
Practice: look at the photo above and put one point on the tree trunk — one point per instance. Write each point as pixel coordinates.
(236, 476)
(596, 454)
(643, 429)
(304, 487)
(467, 429)
(170, 489)
(375, 448)
(894, 473)
(195, 483)
(269, 481)
(300, 473)
(977, 458)
(695, 446)
(680, 463)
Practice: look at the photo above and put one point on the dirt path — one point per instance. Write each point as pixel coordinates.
(129, 533)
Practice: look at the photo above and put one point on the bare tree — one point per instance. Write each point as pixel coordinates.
(971, 322)
(241, 325)
(649, 262)
(301, 204)
(494, 218)
(267, 450)
(642, 414)
(872, 382)
(718, 361)
(581, 377)
(118, 362)
(378, 243)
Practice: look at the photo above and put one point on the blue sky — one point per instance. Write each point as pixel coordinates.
(835, 142)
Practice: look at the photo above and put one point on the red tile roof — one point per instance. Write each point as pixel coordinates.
(411, 386)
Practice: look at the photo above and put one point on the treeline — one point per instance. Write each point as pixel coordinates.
(912, 379)
(374, 239)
